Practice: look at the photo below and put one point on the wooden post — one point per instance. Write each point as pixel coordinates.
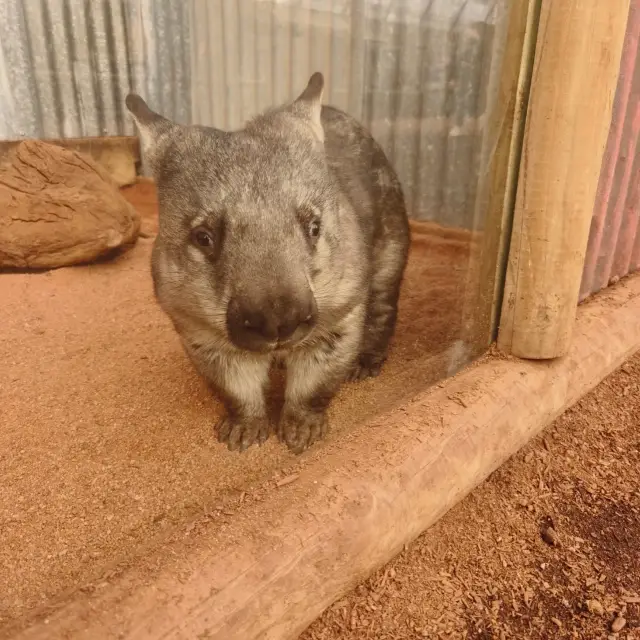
(574, 80)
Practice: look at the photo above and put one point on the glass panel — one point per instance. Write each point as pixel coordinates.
(423, 76)
(107, 440)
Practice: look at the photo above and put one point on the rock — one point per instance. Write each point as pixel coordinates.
(59, 208)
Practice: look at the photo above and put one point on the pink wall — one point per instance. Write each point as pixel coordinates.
(614, 240)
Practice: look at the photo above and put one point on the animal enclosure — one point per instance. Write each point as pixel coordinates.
(107, 450)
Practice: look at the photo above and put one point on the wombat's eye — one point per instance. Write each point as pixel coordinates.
(202, 237)
(314, 228)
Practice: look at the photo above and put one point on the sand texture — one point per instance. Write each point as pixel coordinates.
(106, 432)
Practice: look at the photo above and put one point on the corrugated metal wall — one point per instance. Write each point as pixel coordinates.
(614, 240)
(67, 65)
(417, 72)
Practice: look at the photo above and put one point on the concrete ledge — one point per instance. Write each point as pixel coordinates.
(273, 568)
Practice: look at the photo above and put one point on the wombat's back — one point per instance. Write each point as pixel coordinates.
(366, 177)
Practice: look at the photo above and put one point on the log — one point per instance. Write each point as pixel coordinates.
(575, 74)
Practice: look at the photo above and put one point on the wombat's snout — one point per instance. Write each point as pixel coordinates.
(255, 324)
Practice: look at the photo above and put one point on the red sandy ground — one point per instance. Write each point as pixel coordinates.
(106, 436)
(484, 572)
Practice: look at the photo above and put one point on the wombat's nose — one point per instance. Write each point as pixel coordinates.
(251, 325)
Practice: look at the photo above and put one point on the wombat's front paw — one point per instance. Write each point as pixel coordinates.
(366, 366)
(240, 434)
(301, 429)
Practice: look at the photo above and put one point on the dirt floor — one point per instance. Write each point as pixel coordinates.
(106, 436)
(548, 547)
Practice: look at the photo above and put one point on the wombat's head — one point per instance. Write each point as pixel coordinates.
(248, 220)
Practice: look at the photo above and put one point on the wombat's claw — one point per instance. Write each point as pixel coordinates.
(300, 430)
(239, 435)
(365, 368)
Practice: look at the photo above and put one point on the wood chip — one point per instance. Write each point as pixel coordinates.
(550, 536)
(287, 480)
(595, 606)
(618, 624)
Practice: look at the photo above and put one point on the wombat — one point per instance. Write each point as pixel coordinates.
(285, 240)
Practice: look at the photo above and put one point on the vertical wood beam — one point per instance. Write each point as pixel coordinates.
(575, 75)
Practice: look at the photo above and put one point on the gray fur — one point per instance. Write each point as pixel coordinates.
(305, 244)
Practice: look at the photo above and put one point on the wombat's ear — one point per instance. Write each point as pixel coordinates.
(151, 126)
(309, 104)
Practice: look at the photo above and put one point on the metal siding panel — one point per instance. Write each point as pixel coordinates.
(381, 72)
(614, 227)
(118, 62)
(231, 61)
(464, 136)
(247, 74)
(60, 48)
(19, 103)
(321, 44)
(86, 90)
(282, 28)
(341, 57)
(415, 72)
(265, 52)
(437, 70)
(301, 44)
(629, 224)
(42, 68)
(67, 65)
(408, 101)
(202, 104)
(621, 263)
(635, 255)
(217, 79)
(358, 52)
(102, 67)
(616, 208)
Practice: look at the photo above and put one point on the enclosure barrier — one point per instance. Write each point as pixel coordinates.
(573, 85)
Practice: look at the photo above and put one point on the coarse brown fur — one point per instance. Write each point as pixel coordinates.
(286, 240)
